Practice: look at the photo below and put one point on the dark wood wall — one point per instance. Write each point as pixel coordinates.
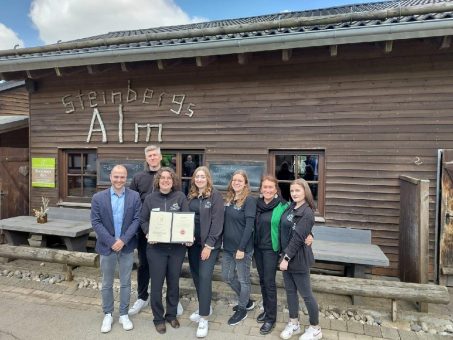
(376, 115)
(14, 101)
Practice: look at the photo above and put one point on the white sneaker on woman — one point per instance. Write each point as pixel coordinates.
(311, 333)
(290, 330)
(126, 322)
(202, 329)
(195, 316)
(137, 307)
(107, 323)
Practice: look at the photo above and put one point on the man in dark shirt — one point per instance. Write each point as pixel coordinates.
(143, 184)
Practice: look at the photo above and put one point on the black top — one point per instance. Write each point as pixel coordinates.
(143, 183)
(295, 226)
(263, 239)
(172, 202)
(210, 218)
(194, 206)
(239, 225)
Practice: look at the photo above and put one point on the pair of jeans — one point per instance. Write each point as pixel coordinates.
(165, 263)
(236, 273)
(300, 282)
(202, 276)
(108, 267)
(266, 263)
(143, 267)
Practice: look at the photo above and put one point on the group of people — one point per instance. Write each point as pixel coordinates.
(276, 232)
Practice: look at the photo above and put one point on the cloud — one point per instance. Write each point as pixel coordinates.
(9, 38)
(73, 19)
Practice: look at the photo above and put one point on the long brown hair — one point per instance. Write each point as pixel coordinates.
(158, 175)
(308, 195)
(231, 195)
(194, 192)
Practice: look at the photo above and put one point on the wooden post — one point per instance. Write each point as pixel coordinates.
(394, 310)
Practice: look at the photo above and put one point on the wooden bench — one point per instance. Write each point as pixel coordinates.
(393, 290)
(72, 225)
(68, 258)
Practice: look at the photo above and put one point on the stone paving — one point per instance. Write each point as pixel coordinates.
(69, 295)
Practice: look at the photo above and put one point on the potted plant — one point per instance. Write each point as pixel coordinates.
(41, 213)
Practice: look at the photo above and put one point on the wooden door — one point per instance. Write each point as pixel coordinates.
(14, 182)
(446, 220)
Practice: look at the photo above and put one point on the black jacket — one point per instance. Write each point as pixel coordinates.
(239, 225)
(211, 219)
(142, 182)
(293, 239)
(173, 201)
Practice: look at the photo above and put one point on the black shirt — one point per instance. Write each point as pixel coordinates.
(194, 206)
(143, 183)
(239, 225)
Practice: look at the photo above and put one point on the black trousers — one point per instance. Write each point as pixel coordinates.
(143, 267)
(165, 262)
(202, 276)
(266, 263)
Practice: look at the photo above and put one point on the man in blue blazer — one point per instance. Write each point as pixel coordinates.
(115, 217)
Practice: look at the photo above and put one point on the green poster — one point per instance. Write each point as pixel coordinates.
(43, 172)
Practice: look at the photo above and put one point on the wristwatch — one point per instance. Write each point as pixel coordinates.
(286, 258)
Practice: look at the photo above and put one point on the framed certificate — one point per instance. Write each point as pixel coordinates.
(168, 227)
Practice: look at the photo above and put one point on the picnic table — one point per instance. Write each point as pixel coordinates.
(74, 233)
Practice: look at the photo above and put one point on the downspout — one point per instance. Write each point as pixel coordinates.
(222, 30)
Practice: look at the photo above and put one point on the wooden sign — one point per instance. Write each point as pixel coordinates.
(223, 171)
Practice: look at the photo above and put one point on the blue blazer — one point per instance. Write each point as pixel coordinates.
(102, 221)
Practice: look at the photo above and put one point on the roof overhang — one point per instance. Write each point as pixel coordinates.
(13, 122)
(327, 37)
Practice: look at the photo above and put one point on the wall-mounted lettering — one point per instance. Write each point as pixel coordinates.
(97, 116)
(148, 131)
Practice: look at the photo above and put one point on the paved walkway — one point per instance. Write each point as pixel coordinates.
(34, 310)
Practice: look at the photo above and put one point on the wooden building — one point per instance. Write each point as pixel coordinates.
(14, 167)
(349, 98)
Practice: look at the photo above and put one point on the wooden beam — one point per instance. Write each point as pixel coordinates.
(204, 61)
(160, 64)
(58, 72)
(287, 54)
(446, 42)
(388, 46)
(124, 67)
(333, 50)
(243, 58)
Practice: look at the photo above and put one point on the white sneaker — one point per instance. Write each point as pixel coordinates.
(180, 309)
(107, 323)
(137, 307)
(127, 324)
(195, 316)
(289, 330)
(311, 333)
(202, 329)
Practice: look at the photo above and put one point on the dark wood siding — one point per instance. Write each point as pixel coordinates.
(14, 102)
(376, 116)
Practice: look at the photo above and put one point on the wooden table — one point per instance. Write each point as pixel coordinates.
(357, 256)
(74, 233)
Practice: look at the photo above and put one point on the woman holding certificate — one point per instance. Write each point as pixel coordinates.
(207, 204)
(240, 211)
(165, 251)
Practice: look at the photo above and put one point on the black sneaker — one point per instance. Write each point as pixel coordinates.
(250, 305)
(237, 317)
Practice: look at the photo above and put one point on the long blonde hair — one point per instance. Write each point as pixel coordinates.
(231, 195)
(194, 192)
(308, 195)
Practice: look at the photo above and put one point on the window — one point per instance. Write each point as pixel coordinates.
(78, 175)
(306, 164)
(184, 163)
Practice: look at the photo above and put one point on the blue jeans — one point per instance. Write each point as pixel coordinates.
(236, 273)
(108, 267)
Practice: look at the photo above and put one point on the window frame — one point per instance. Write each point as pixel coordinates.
(320, 210)
(64, 172)
(179, 162)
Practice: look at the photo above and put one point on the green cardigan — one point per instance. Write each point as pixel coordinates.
(277, 213)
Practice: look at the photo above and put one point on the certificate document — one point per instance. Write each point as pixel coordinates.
(168, 227)
(160, 226)
(183, 227)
